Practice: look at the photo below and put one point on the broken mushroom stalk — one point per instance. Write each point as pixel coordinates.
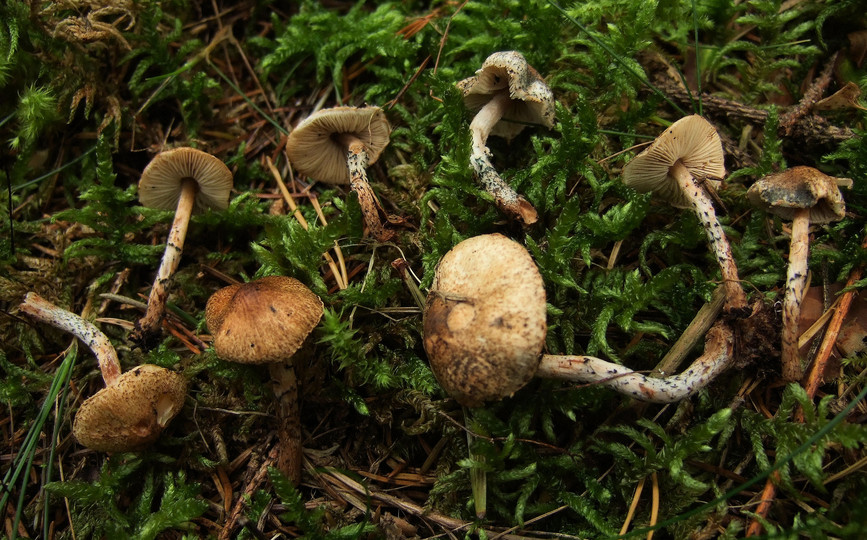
(485, 327)
(684, 157)
(506, 87)
(186, 180)
(805, 196)
(265, 322)
(335, 146)
(134, 407)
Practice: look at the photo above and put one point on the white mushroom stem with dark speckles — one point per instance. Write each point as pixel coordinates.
(44, 311)
(717, 356)
(156, 309)
(505, 197)
(736, 299)
(357, 160)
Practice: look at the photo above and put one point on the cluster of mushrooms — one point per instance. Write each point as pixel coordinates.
(482, 344)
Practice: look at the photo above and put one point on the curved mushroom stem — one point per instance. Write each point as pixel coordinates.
(148, 326)
(371, 209)
(736, 300)
(796, 282)
(285, 385)
(717, 356)
(505, 197)
(44, 311)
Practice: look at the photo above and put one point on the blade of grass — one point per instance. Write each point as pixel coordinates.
(24, 459)
(616, 57)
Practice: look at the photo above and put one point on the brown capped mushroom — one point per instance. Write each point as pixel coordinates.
(131, 413)
(508, 88)
(335, 146)
(803, 195)
(265, 322)
(674, 167)
(484, 329)
(186, 180)
(134, 407)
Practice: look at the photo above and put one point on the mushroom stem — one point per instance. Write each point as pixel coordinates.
(717, 356)
(148, 325)
(736, 300)
(44, 311)
(371, 209)
(285, 386)
(505, 197)
(796, 282)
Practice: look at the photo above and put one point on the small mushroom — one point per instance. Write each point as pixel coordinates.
(335, 146)
(508, 88)
(674, 167)
(265, 322)
(805, 196)
(186, 180)
(131, 413)
(134, 407)
(484, 329)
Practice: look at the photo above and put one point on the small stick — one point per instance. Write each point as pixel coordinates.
(694, 332)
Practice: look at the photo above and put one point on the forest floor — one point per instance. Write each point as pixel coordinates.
(93, 91)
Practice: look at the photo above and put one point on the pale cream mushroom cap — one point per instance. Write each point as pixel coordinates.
(799, 188)
(130, 414)
(263, 321)
(693, 141)
(508, 71)
(315, 151)
(160, 183)
(484, 323)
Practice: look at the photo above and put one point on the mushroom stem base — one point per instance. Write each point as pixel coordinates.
(717, 356)
(285, 385)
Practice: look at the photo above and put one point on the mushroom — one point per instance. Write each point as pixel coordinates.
(134, 407)
(686, 155)
(506, 87)
(803, 195)
(187, 180)
(335, 146)
(484, 329)
(265, 322)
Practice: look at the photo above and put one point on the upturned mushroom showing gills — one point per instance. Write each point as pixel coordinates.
(684, 157)
(804, 196)
(505, 88)
(185, 180)
(265, 322)
(134, 407)
(335, 146)
(484, 322)
(484, 329)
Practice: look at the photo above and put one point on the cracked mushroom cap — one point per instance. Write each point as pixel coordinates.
(799, 188)
(508, 71)
(314, 149)
(160, 183)
(484, 322)
(130, 413)
(693, 141)
(263, 321)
